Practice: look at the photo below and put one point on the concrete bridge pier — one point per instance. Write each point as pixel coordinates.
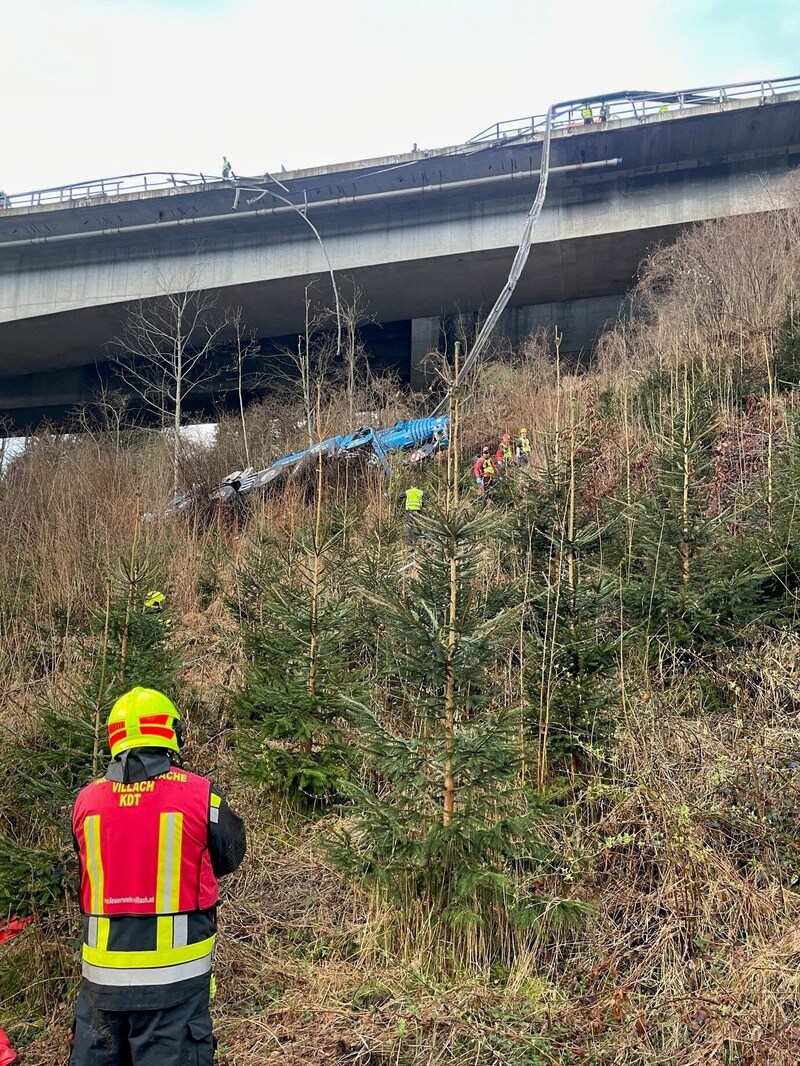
(426, 336)
(580, 323)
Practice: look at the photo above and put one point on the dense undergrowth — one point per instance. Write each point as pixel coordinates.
(533, 799)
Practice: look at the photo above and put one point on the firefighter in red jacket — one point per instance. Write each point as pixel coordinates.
(152, 839)
(484, 471)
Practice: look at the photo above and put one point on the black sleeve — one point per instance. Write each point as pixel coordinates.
(226, 837)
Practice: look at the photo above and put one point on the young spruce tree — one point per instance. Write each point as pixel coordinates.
(689, 584)
(44, 765)
(441, 828)
(299, 627)
(571, 644)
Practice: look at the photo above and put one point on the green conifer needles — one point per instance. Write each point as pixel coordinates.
(43, 766)
(299, 631)
(442, 820)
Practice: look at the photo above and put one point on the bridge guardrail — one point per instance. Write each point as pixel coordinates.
(605, 108)
(637, 105)
(107, 187)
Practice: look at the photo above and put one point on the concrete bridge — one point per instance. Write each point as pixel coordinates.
(422, 235)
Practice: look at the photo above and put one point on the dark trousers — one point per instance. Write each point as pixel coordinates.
(172, 1036)
(411, 528)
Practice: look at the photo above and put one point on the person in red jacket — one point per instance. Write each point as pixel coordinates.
(152, 840)
(12, 927)
(7, 1053)
(484, 471)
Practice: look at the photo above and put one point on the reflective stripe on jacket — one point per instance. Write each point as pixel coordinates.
(147, 886)
(524, 445)
(136, 951)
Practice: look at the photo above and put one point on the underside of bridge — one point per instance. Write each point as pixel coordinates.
(561, 286)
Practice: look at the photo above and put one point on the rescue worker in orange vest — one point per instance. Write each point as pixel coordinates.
(484, 471)
(152, 839)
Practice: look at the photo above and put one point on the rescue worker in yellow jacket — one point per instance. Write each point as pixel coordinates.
(152, 840)
(154, 604)
(505, 451)
(523, 447)
(413, 499)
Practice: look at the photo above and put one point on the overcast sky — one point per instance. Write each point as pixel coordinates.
(94, 88)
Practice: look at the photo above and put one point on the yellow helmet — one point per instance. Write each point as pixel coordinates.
(144, 718)
(522, 429)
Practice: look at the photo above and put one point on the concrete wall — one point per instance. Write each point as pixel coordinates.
(579, 321)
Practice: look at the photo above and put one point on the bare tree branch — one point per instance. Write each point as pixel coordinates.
(166, 347)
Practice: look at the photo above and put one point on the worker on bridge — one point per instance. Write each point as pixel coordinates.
(227, 170)
(152, 840)
(586, 115)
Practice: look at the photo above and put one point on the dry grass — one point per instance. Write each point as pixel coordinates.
(683, 845)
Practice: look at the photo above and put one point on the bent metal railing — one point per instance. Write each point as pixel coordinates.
(638, 105)
(107, 187)
(606, 108)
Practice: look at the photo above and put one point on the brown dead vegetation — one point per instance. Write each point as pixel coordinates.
(679, 845)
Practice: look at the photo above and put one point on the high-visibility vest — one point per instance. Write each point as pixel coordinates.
(146, 878)
(586, 112)
(506, 451)
(524, 445)
(487, 467)
(414, 499)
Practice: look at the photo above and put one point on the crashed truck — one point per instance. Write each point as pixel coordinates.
(417, 439)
